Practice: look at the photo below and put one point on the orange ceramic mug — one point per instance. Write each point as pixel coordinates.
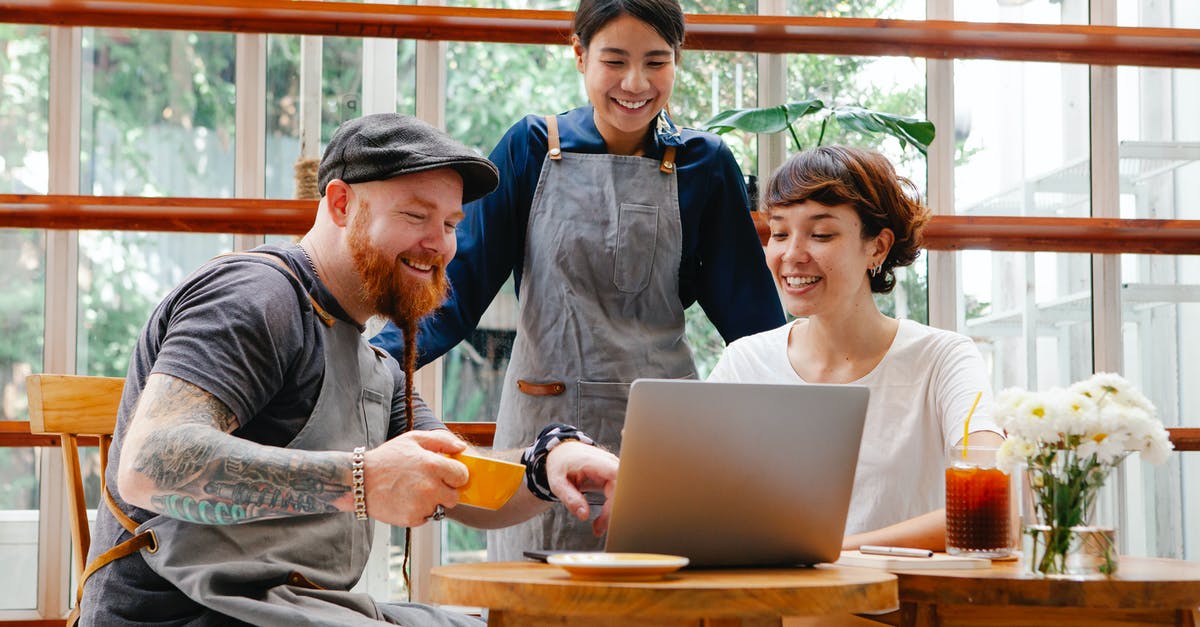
(491, 482)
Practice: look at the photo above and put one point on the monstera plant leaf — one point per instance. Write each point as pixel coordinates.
(768, 120)
(919, 133)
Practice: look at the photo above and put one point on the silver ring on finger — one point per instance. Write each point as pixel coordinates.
(439, 513)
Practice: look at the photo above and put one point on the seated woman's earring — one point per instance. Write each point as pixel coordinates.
(874, 272)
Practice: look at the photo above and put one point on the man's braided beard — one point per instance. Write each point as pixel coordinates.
(394, 293)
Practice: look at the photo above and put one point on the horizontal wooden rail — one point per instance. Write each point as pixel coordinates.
(1185, 439)
(937, 39)
(294, 217)
(125, 213)
(1066, 235)
(15, 433)
(1063, 235)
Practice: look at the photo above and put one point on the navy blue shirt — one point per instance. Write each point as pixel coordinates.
(722, 265)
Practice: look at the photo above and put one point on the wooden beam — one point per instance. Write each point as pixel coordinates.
(293, 217)
(1185, 439)
(937, 39)
(1064, 235)
(125, 213)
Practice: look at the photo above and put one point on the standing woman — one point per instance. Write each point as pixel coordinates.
(613, 221)
(841, 222)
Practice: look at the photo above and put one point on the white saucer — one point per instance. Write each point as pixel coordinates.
(626, 566)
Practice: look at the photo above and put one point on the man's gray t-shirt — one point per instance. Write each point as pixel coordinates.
(243, 330)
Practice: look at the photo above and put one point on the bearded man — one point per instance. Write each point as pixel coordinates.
(259, 433)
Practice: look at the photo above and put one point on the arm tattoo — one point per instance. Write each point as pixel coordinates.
(202, 474)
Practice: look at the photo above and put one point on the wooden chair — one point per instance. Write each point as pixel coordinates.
(71, 406)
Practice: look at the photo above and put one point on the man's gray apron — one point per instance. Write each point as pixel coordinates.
(297, 570)
(599, 307)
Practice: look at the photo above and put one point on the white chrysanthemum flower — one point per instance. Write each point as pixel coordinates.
(1033, 419)
(1108, 387)
(1006, 406)
(1102, 418)
(1006, 457)
(1071, 412)
(1157, 447)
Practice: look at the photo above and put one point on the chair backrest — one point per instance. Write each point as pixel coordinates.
(71, 406)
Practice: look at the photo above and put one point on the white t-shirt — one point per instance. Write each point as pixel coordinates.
(921, 392)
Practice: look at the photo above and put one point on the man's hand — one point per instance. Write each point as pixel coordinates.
(573, 468)
(407, 477)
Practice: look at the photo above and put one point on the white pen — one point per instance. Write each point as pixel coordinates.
(894, 550)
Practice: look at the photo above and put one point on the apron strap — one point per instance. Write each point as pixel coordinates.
(668, 163)
(126, 522)
(552, 138)
(321, 313)
(144, 540)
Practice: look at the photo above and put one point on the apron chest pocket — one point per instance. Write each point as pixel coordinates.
(637, 238)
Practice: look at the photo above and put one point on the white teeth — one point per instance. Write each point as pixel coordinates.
(630, 103)
(419, 266)
(795, 281)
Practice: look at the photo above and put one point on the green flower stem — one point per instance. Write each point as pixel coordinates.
(1065, 487)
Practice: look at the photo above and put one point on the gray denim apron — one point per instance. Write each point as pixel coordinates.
(298, 570)
(599, 307)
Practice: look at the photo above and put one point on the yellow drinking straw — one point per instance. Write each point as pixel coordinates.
(967, 424)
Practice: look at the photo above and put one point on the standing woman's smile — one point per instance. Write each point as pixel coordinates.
(629, 73)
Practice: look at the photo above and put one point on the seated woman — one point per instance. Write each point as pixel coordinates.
(841, 221)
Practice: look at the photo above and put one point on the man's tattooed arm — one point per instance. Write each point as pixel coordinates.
(178, 459)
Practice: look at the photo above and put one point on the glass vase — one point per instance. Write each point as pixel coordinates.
(1068, 515)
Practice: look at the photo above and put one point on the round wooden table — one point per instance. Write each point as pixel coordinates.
(533, 594)
(1145, 591)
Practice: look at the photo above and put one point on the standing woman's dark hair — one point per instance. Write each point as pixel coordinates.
(865, 180)
(664, 16)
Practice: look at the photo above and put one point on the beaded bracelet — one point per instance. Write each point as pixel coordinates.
(535, 456)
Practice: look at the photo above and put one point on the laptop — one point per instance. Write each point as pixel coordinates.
(737, 474)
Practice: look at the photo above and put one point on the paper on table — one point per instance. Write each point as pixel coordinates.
(939, 561)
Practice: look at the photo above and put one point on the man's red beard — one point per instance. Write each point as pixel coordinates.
(394, 293)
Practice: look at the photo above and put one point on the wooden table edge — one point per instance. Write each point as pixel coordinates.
(864, 590)
(1014, 589)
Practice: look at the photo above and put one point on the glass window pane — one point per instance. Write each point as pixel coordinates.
(732, 7)
(1021, 137)
(1160, 312)
(887, 9)
(24, 169)
(173, 141)
(1030, 314)
(1023, 11)
(176, 139)
(1159, 150)
(19, 526)
(24, 108)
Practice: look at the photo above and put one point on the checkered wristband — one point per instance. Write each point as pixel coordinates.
(535, 456)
